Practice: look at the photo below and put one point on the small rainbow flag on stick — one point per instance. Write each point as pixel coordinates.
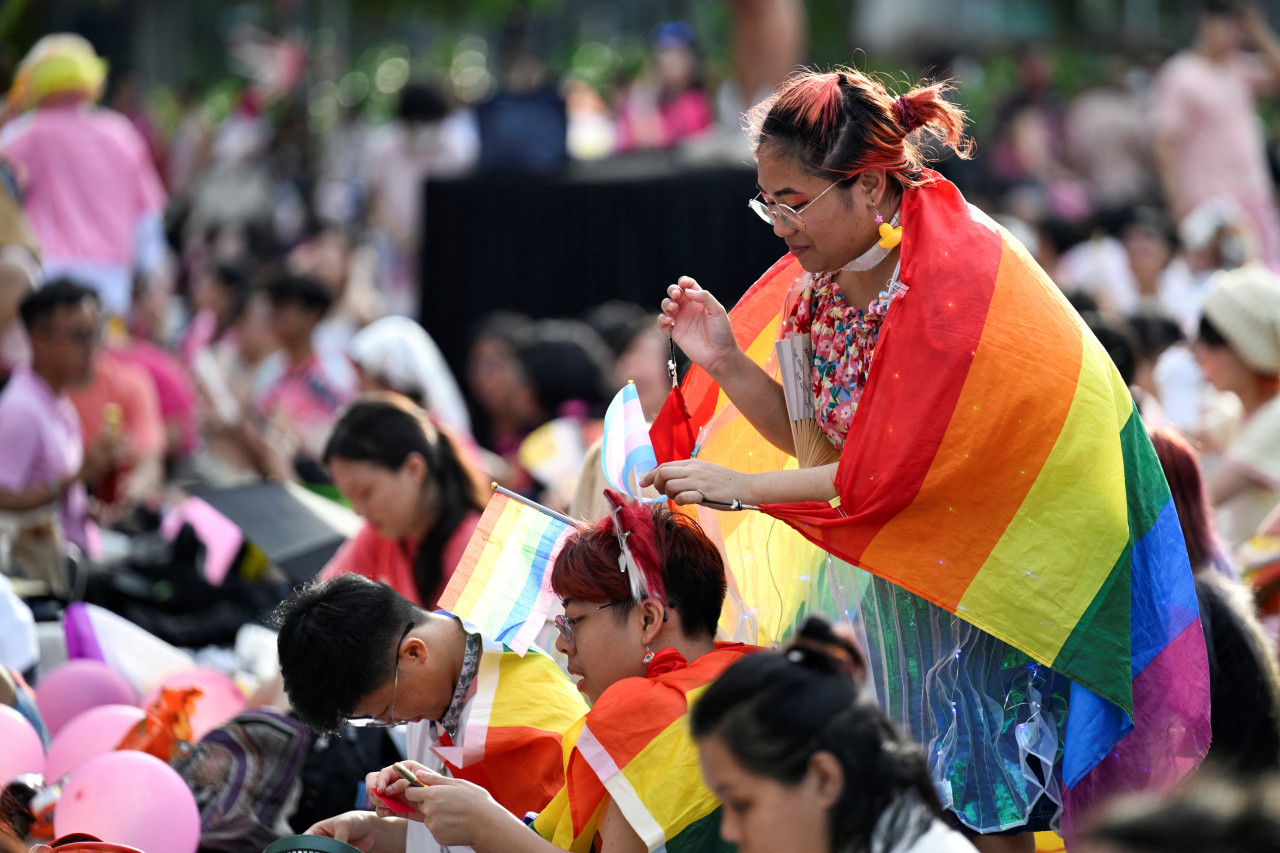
(503, 583)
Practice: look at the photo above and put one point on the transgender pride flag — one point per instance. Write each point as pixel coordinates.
(625, 449)
(502, 585)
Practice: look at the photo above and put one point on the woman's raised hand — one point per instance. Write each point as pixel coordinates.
(699, 325)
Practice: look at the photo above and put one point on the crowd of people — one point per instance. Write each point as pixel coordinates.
(1035, 439)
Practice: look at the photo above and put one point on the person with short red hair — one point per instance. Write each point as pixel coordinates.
(642, 592)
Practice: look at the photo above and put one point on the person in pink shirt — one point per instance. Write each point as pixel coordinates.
(40, 435)
(92, 194)
(303, 388)
(1209, 140)
(420, 501)
(668, 105)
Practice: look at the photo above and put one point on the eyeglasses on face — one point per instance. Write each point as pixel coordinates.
(565, 626)
(776, 213)
(390, 722)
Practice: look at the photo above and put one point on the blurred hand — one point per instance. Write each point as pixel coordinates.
(698, 324)
(107, 453)
(1252, 19)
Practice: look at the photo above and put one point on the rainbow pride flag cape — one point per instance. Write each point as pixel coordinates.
(647, 763)
(997, 467)
(510, 734)
(502, 585)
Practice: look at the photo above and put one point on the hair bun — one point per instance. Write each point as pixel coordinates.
(905, 112)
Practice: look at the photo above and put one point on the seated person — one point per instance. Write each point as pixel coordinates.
(1239, 350)
(631, 770)
(396, 354)
(420, 500)
(40, 436)
(121, 401)
(352, 649)
(303, 389)
(802, 762)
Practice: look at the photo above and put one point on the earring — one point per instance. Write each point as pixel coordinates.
(890, 235)
(648, 654)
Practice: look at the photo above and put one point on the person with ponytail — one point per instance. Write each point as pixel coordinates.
(805, 762)
(419, 499)
(642, 643)
(941, 365)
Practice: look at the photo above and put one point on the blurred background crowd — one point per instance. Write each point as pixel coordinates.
(281, 205)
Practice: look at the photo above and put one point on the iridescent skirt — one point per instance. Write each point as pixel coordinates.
(990, 718)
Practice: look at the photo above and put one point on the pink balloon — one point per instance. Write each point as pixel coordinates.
(221, 701)
(131, 798)
(77, 686)
(89, 735)
(21, 750)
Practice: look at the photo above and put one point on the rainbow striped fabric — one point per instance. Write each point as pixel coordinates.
(502, 585)
(997, 467)
(634, 747)
(510, 739)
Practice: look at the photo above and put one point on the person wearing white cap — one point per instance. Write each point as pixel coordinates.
(1239, 350)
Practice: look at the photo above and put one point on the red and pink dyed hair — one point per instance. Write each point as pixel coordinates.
(843, 122)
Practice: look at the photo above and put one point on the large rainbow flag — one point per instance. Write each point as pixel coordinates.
(502, 584)
(997, 467)
(647, 764)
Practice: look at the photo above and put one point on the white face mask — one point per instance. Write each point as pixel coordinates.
(873, 256)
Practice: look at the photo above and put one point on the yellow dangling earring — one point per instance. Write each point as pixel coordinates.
(890, 234)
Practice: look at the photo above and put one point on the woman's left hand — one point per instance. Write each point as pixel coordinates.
(692, 481)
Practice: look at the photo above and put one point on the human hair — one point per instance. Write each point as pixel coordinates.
(838, 124)
(382, 430)
(690, 565)
(1209, 336)
(233, 277)
(1118, 339)
(567, 362)
(337, 645)
(618, 323)
(421, 103)
(1220, 8)
(302, 290)
(1186, 486)
(1214, 813)
(774, 711)
(39, 305)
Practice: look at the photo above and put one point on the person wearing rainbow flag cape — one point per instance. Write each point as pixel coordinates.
(1023, 584)
(631, 777)
(354, 650)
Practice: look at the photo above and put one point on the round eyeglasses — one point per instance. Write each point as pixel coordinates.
(776, 213)
(565, 626)
(390, 722)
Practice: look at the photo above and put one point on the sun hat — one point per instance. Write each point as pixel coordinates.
(1244, 306)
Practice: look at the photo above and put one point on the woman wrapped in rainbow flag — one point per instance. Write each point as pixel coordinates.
(1024, 588)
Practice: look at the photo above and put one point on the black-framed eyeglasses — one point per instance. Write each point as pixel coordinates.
(565, 626)
(777, 213)
(390, 722)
